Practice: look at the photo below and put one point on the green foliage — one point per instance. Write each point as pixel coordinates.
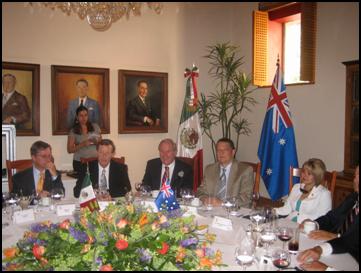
(122, 237)
(224, 106)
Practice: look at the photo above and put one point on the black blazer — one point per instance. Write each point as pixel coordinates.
(153, 171)
(137, 110)
(333, 221)
(23, 182)
(119, 183)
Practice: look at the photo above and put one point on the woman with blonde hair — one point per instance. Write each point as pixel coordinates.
(308, 199)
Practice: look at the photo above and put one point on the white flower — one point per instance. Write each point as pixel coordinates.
(181, 174)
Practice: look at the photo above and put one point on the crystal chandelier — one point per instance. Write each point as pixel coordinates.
(101, 15)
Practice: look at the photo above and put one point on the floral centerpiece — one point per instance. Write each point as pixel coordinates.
(122, 237)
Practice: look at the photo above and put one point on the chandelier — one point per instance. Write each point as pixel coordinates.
(101, 15)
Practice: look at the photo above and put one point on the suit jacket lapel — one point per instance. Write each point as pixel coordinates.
(158, 173)
(232, 178)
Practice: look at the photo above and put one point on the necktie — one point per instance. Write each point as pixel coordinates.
(40, 184)
(165, 177)
(103, 182)
(350, 218)
(81, 102)
(222, 187)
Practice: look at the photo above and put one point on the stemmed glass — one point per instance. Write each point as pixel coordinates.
(284, 234)
(255, 198)
(129, 197)
(257, 218)
(187, 195)
(229, 204)
(244, 255)
(12, 201)
(5, 196)
(268, 236)
(281, 259)
(57, 194)
(144, 191)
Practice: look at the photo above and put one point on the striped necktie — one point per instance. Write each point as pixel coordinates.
(165, 177)
(103, 182)
(222, 186)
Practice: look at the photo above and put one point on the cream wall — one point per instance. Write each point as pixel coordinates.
(169, 43)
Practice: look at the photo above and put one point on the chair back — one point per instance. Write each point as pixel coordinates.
(257, 174)
(193, 162)
(329, 181)
(14, 166)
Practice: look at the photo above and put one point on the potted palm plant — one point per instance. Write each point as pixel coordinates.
(232, 96)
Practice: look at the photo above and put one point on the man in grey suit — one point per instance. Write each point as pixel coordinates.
(94, 115)
(227, 178)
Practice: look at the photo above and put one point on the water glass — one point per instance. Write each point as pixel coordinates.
(281, 259)
(244, 255)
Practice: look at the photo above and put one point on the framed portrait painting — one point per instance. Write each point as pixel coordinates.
(21, 88)
(74, 86)
(143, 102)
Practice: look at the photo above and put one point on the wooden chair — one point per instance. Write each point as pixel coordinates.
(86, 160)
(196, 170)
(257, 174)
(16, 165)
(329, 181)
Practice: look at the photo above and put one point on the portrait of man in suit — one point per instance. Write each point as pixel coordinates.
(82, 87)
(15, 107)
(140, 110)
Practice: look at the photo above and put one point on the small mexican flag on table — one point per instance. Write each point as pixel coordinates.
(87, 196)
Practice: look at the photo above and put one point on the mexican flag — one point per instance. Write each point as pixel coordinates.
(189, 140)
(87, 197)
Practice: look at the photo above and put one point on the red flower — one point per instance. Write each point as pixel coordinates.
(121, 244)
(65, 224)
(38, 251)
(106, 267)
(164, 249)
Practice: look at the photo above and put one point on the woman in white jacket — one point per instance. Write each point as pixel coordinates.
(308, 199)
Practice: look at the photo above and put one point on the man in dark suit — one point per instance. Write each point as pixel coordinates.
(42, 177)
(106, 174)
(139, 110)
(345, 242)
(15, 108)
(180, 173)
(94, 114)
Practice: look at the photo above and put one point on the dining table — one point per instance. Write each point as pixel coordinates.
(227, 239)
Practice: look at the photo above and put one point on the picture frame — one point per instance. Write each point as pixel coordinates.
(65, 84)
(22, 108)
(147, 114)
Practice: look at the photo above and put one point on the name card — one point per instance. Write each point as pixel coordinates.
(189, 210)
(23, 216)
(222, 223)
(65, 210)
(104, 204)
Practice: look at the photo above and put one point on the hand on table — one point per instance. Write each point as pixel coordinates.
(314, 266)
(312, 254)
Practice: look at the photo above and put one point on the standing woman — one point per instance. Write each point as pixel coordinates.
(83, 138)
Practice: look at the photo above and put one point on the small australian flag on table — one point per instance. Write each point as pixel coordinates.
(166, 199)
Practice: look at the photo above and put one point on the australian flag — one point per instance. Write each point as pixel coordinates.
(277, 147)
(166, 199)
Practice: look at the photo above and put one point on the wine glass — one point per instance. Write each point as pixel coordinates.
(284, 234)
(257, 218)
(5, 196)
(138, 187)
(187, 195)
(129, 197)
(255, 198)
(56, 194)
(268, 236)
(281, 259)
(229, 204)
(12, 201)
(244, 255)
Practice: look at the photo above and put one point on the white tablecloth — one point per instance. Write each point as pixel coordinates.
(226, 241)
